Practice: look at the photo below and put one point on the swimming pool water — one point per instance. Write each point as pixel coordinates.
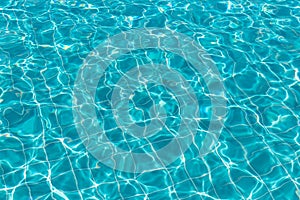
(254, 46)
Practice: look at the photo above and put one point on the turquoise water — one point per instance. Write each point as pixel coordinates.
(254, 45)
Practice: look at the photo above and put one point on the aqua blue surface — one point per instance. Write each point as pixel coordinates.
(254, 44)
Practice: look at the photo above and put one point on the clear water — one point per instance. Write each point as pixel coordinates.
(254, 45)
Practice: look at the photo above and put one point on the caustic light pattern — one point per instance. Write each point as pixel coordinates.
(254, 47)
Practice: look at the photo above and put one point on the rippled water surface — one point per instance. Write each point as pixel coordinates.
(255, 45)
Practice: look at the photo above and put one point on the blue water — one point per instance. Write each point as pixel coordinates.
(254, 45)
